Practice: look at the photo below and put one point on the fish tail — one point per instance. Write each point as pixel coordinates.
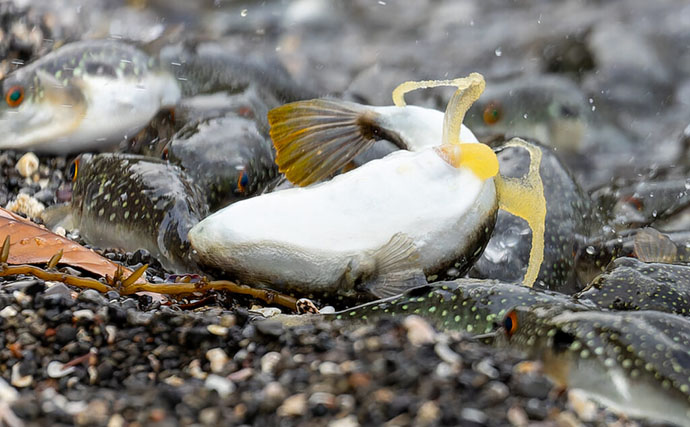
(316, 138)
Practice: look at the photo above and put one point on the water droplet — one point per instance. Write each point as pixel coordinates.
(594, 108)
(498, 51)
(382, 3)
(591, 250)
(243, 13)
(591, 100)
(472, 23)
(655, 213)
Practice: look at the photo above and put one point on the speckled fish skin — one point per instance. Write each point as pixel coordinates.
(72, 94)
(643, 203)
(227, 157)
(637, 363)
(594, 255)
(470, 305)
(569, 216)
(630, 284)
(134, 202)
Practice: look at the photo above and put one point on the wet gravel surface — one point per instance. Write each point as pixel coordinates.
(79, 357)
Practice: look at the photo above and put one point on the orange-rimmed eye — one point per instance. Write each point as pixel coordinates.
(242, 181)
(14, 96)
(492, 113)
(73, 170)
(510, 323)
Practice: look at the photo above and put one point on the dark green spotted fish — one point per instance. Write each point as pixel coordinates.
(132, 202)
(638, 204)
(637, 363)
(227, 157)
(630, 284)
(470, 305)
(593, 255)
(68, 100)
(569, 215)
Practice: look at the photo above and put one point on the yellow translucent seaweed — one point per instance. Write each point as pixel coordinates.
(524, 197)
(468, 90)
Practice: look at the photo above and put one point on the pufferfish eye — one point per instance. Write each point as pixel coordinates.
(492, 113)
(14, 96)
(242, 181)
(510, 323)
(73, 170)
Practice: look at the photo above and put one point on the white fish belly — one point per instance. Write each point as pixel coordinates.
(309, 235)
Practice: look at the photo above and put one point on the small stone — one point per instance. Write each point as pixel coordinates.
(474, 416)
(8, 312)
(27, 205)
(217, 359)
(174, 381)
(427, 414)
(532, 385)
(266, 311)
(486, 367)
(221, 385)
(92, 296)
(567, 419)
(7, 392)
(19, 380)
(272, 396)
(241, 375)
(419, 331)
(83, 314)
(329, 369)
(269, 362)
(56, 369)
(116, 420)
(493, 393)
(517, 417)
(271, 328)
(209, 416)
(64, 334)
(293, 406)
(218, 330)
(348, 421)
(585, 409)
(27, 165)
(95, 413)
(446, 354)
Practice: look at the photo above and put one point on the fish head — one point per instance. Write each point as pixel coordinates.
(36, 107)
(635, 362)
(551, 112)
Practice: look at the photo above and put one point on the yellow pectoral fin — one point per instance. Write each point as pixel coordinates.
(524, 197)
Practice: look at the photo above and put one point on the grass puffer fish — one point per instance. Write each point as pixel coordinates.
(227, 158)
(637, 363)
(551, 110)
(630, 284)
(475, 306)
(82, 96)
(132, 202)
(378, 229)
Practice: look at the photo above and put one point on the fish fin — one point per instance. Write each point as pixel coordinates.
(58, 216)
(316, 138)
(396, 268)
(652, 246)
(61, 93)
